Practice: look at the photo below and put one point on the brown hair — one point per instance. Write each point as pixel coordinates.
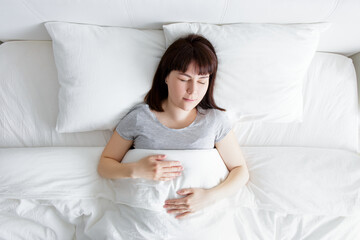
(178, 57)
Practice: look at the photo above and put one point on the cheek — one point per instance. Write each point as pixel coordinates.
(176, 89)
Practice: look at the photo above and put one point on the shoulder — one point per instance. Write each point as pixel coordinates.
(139, 107)
(214, 113)
(222, 123)
(134, 111)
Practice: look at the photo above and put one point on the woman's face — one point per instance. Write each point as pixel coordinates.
(187, 89)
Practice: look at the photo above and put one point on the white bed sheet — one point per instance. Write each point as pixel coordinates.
(86, 219)
(282, 179)
(292, 192)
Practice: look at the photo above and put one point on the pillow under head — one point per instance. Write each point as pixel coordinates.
(261, 66)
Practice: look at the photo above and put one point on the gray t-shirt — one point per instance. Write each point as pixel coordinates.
(142, 126)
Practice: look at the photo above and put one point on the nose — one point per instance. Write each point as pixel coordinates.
(191, 88)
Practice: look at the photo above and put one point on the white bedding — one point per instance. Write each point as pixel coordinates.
(304, 179)
(28, 98)
(88, 219)
(293, 186)
(330, 118)
(204, 169)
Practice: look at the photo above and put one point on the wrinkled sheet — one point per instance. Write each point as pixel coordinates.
(293, 193)
(103, 219)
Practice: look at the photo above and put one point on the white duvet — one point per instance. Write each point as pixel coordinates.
(56, 193)
(202, 168)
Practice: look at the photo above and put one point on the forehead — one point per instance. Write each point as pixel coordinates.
(193, 69)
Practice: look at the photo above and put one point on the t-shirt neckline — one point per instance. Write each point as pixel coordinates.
(172, 129)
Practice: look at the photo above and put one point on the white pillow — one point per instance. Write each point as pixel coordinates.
(29, 101)
(261, 66)
(202, 169)
(102, 72)
(330, 111)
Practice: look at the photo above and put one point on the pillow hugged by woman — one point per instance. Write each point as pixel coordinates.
(179, 112)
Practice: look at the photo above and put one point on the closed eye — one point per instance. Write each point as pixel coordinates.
(186, 80)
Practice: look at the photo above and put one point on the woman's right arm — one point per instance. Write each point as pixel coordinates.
(150, 167)
(110, 165)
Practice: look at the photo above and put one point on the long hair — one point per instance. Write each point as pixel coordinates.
(178, 57)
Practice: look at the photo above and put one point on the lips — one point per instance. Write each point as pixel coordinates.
(189, 100)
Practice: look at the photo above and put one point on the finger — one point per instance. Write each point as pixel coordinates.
(170, 164)
(177, 211)
(173, 169)
(185, 191)
(178, 201)
(171, 206)
(183, 215)
(159, 156)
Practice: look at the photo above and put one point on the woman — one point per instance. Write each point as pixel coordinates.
(178, 112)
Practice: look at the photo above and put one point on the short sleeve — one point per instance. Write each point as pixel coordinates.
(223, 124)
(126, 128)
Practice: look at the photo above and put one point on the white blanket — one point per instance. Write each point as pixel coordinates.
(62, 185)
(103, 219)
(202, 168)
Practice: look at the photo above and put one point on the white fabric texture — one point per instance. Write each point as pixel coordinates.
(291, 180)
(202, 168)
(102, 71)
(29, 99)
(330, 111)
(293, 193)
(27, 20)
(95, 62)
(261, 66)
(29, 105)
(93, 219)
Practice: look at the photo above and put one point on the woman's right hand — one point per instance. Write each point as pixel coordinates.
(154, 167)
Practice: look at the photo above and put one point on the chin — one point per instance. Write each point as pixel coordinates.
(188, 107)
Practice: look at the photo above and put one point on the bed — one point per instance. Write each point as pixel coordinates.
(304, 166)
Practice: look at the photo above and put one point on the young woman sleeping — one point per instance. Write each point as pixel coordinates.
(179, 112)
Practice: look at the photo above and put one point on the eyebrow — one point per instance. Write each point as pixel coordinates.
(190, 76)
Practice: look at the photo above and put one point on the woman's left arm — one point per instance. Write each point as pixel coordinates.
(197, 198)
(233, 158)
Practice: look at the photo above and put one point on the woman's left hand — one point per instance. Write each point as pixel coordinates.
(196, 199)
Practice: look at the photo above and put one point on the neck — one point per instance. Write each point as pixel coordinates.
(176, 113)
